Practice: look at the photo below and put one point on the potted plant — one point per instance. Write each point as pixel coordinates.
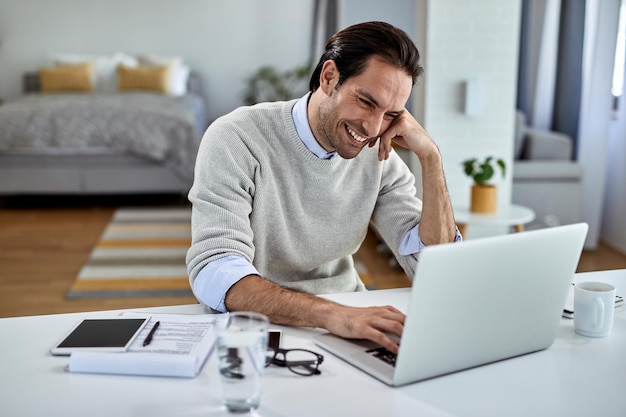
(484, 195)
(270, 84)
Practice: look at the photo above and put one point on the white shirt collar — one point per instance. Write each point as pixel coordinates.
(300, 119)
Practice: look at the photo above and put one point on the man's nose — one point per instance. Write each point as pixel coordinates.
(373, 125)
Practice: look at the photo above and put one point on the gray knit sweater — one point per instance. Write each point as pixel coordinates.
(259, 193)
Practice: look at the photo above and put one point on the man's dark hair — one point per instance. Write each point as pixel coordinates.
(352, 47)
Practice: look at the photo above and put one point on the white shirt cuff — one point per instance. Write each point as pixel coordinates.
(216, 278)
(412, 243)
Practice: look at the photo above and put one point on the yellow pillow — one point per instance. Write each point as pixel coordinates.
(66, 78)
(142, 78)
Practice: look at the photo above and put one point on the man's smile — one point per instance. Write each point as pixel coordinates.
(356, 136)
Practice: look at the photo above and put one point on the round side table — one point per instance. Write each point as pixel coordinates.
(512, 215)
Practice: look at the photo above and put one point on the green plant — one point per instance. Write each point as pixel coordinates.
(269, 84)
(481, 172)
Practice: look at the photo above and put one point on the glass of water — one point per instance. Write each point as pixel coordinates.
(242, 346)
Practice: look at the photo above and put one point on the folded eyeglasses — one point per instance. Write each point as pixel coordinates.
(299, 361)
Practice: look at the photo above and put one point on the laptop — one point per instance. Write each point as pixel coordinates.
(474, 303)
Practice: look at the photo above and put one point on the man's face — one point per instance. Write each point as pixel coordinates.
(356, 113)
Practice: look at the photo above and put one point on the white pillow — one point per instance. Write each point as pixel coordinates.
(178, 77)
(120, 58)
(105, 66)
(155, 60)
(178, 71)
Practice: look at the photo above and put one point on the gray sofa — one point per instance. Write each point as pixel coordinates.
(545, 178)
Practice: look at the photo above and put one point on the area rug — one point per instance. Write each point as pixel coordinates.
(141, 253)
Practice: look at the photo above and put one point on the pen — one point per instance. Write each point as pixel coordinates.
(148, 339)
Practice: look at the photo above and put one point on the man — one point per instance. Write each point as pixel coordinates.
(284, 192)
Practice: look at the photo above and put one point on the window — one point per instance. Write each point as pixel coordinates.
(618, 66)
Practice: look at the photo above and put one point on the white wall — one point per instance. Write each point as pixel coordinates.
(226, 41)
(461, 40)
(400, 13)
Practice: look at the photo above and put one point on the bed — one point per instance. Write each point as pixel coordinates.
(100, 142)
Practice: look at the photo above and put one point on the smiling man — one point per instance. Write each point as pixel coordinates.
(284, 192)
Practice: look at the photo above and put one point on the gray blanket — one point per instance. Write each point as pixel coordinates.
(161, 128)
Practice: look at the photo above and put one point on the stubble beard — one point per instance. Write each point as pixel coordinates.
(333, 131)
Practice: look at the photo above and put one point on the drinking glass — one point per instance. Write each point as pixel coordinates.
(242, 346)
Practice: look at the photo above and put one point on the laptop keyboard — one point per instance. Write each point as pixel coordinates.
(384, 355)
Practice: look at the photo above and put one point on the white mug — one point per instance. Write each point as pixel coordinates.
(594, 307)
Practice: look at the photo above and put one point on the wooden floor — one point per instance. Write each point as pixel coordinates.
(42, 248)
(44, 245)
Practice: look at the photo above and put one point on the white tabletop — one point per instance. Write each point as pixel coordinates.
(577, 376)
(513, 214)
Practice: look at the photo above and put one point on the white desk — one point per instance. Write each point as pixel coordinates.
(577, 376)
(512, 215)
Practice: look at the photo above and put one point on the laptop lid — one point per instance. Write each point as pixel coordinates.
(477, 302)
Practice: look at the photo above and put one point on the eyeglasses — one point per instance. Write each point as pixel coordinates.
(299, 361)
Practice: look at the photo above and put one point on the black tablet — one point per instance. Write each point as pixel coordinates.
(103, 335)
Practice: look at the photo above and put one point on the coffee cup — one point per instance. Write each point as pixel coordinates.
(594, 307)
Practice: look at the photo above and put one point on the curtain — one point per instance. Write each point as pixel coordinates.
(325, 24)
(569, 70)
(523, 78)
(550, 73)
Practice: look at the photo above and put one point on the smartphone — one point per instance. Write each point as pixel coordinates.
(102, 335)
(274, 339)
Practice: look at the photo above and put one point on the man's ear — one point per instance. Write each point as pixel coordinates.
(329, 76)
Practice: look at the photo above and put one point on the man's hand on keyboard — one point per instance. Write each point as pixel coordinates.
(372, 323)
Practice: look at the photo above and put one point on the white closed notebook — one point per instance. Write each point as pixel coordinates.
(153, 364)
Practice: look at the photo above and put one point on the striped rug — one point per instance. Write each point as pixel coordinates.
(140, 254)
